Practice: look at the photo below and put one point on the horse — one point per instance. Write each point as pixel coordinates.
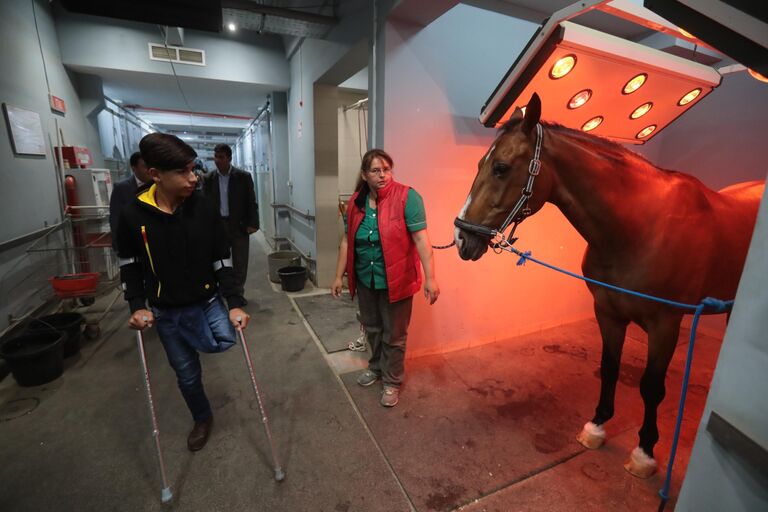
(655, 231)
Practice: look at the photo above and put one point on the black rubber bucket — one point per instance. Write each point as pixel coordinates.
(35, 358)
(68, 323)
(292, 278)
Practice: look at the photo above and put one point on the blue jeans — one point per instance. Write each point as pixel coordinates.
(184, 331)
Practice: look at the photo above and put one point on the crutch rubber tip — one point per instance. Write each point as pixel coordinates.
(166, 495)
(279, 475)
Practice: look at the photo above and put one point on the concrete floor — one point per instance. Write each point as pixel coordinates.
(486, 429)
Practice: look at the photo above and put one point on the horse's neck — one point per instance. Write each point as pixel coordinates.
(601, 195)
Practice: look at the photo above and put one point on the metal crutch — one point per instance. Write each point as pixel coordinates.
(279, 475)
(166, 494)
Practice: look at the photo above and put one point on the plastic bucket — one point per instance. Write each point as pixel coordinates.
(292, 278)
(280, 259)
(68, 323)
(34, 358)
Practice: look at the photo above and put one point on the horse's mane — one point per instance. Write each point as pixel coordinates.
(606, 148)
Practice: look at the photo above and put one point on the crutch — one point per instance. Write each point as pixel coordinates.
(279, 475)
(166, 494)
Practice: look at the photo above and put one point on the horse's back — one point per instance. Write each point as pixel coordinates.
(748, 192)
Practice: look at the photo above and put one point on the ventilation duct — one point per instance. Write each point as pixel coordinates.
(176, 54)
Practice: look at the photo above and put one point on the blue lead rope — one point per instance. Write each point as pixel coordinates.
(708, 303)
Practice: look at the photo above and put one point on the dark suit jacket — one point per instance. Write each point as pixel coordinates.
(122, 193)
(243, 209)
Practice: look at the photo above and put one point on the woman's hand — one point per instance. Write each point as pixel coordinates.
(431, 291)
(141, 319)
(336, 288)
(239, 318)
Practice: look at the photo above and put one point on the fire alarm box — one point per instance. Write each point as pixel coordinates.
(75, 157)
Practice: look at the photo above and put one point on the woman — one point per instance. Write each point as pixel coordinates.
(387, 234)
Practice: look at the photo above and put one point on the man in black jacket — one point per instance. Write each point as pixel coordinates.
(174, 253)
(232, 190)
(124, 191)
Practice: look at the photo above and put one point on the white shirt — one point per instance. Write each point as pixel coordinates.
(224, 192)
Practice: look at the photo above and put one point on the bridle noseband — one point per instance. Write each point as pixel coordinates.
(520, 211)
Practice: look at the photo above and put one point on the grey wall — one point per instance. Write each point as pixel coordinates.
(723, 139)
(28, 189)
(436, 79)
(27, 184)
(308, 64)
(717, 478)
(123, 45)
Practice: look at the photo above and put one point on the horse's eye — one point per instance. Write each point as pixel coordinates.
(499, 168)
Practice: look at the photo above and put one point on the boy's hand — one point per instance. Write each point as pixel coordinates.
(239, 318)
(141, 319)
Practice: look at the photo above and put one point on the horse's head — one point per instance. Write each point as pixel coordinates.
(502, 175)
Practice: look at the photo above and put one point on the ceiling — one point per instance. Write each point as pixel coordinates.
(245, 99)
(537, 10)
(162, 91)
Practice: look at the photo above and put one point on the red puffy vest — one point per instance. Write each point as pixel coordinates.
(401, 260)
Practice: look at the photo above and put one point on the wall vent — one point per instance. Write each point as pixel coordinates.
(176, 54)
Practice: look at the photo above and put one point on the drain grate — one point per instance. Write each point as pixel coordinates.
(17, 408)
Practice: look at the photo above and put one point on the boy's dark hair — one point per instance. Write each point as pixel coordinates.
(135, 159)
(223, 148)
(165, 152)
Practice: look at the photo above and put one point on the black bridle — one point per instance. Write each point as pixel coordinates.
(520, 211)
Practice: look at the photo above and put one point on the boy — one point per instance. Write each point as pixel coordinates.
(174, 253)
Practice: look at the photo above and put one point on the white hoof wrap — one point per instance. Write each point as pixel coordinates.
(591, 436)
(640, 464)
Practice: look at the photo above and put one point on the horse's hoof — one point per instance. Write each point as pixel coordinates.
(591, 436)
(640, 464)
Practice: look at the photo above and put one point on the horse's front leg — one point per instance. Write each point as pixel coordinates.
(613, 331)
(662, 339)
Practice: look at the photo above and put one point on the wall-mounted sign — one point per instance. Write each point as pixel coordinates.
(26, 130)
(58, 105)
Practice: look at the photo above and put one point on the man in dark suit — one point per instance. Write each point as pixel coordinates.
(232, 190)
(124, 191)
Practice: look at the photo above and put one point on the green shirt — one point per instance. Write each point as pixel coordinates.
(369, 258)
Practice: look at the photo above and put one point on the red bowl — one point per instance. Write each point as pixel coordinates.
(75, 285)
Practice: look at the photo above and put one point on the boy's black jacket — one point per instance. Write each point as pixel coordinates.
(169, 259)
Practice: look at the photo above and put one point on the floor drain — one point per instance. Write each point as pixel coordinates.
(18, 408)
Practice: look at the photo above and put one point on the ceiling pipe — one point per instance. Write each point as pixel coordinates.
(307, 17)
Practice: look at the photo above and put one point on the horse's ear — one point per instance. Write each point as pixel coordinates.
(532, 113)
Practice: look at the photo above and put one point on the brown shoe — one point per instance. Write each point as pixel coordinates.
(199, 435)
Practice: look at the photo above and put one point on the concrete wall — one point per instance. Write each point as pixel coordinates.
(329, 101)
(123, 46)
(353, 143)
(28, 187)
(721, 141)
(717, 477)
(308, 64)
(436, 80)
